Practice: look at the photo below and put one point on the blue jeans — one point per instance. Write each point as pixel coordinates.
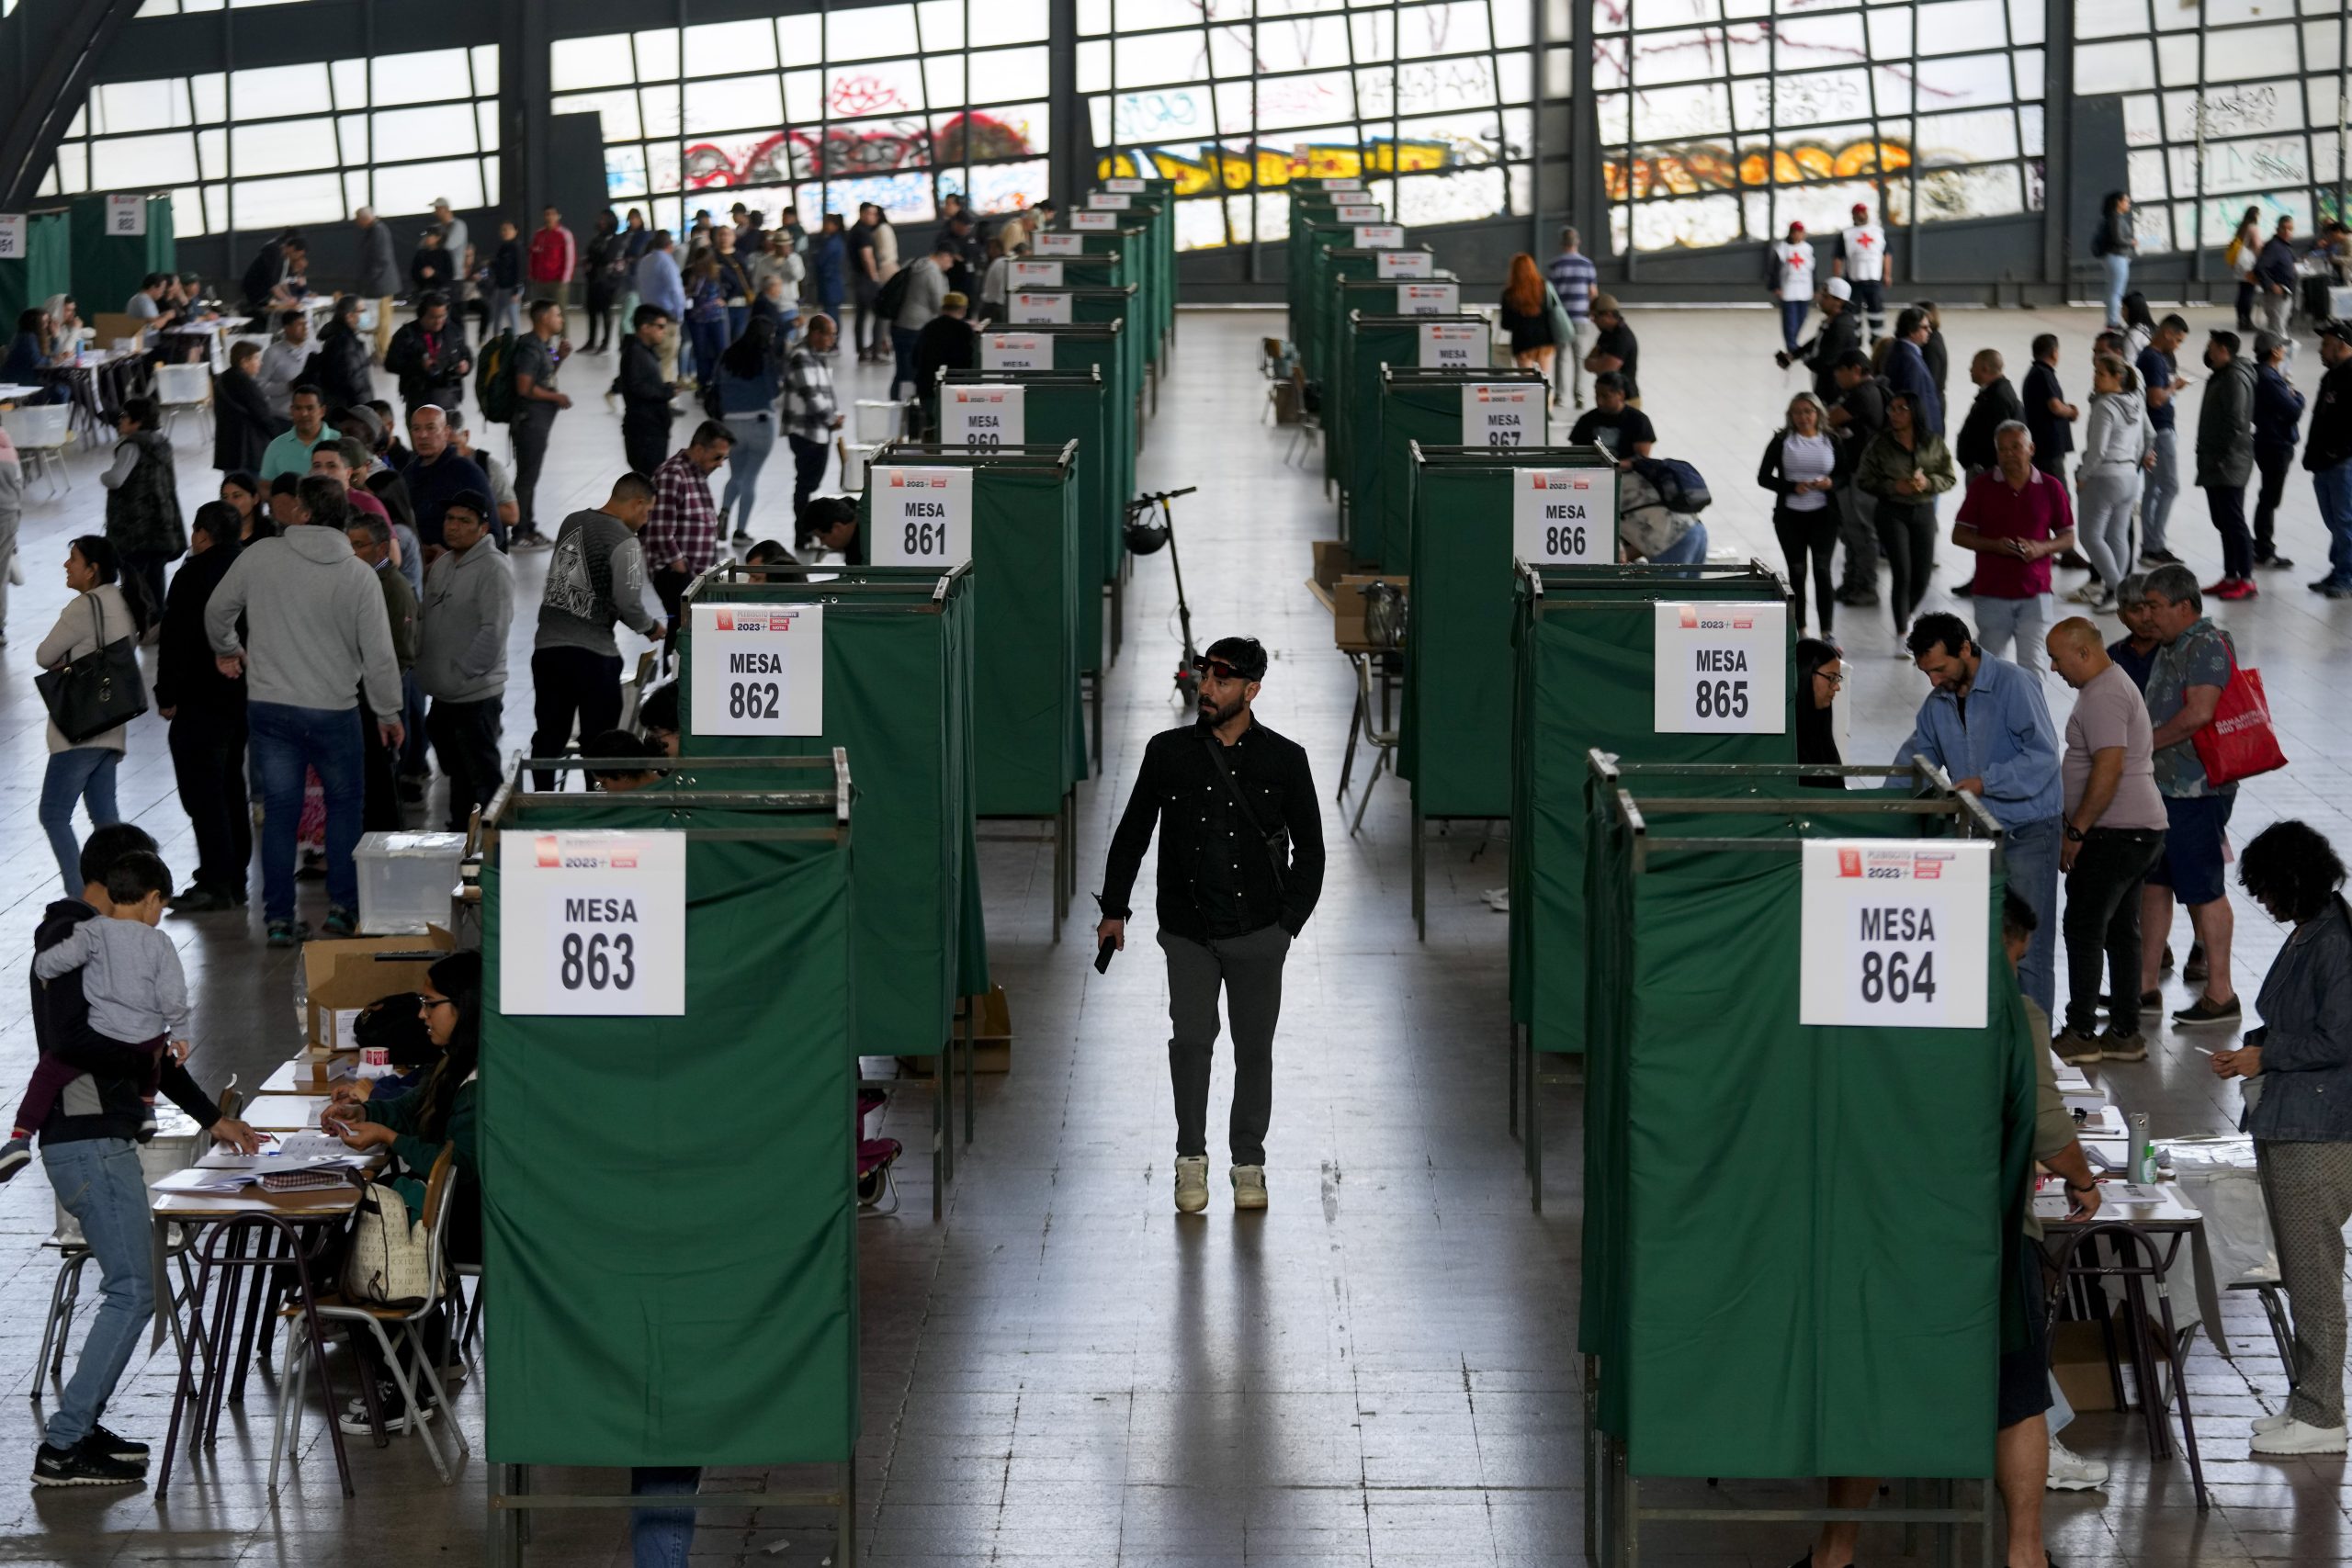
(2119, 282)
(284, 740)
(507, 311)
(2031, 850)
(708, 340)
(660, 1538)
(2334, 489)
(1792, 312)
(84, 772)
(902, 350)
(1688, 551)
(754, 439)
(2156, 495)
(99, 1182)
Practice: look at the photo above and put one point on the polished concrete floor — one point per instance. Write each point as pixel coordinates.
(1381, 1370)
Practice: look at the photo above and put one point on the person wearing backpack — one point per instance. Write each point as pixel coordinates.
(921, 291)
(539, 355)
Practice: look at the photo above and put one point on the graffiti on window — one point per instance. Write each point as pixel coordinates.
(847, 152)
(1694, 168)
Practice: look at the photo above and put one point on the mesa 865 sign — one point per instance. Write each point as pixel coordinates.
(1894, 932)
(922, 516)
(591, 924)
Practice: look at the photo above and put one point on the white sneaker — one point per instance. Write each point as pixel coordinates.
(2271, 1423)
(1497, 899)
(1191, 1184)
(1249, 1186)
(2300, 1438)
(2070, 1472)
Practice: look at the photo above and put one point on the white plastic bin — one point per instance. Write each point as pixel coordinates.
(406, 881)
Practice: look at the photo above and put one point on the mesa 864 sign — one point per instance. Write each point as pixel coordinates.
(591, 924)
(1894, 932)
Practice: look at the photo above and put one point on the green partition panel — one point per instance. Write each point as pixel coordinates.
(107, 270)
(1457, 716)
(1413, 405)
(1102, 349)
(899, 699)
(688, 1294)
(46, 267)
(1583, 678)
(1028, 728)
(1106, 268)
(1311, 331)
(1060, 407)
(1135, 173)
(1349, 395)
(1120, 308)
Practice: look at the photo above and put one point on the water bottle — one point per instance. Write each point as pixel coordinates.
(2144, 1150)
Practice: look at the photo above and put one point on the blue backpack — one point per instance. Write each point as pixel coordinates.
(1677, 484)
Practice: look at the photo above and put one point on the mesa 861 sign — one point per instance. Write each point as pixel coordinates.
(591, 924)
(922, 516)
(1894, 932)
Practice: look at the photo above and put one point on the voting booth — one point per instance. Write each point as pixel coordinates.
(1652, 663)
(1151, 202)
(1377, 333)
(668, 1132)
(1808, 1114)
(1012, 515)
(1345, 248)
(1132, 222)
(1073, 305)
(117, 240)
(35, 261)
(985, 410)
(1476, 509)
(1501, 408)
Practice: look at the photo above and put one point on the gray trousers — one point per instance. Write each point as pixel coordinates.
(1249, 969)
(2308, 1187)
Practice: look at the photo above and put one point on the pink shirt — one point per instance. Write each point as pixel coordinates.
(2040, 511)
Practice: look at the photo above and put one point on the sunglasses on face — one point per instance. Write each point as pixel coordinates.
(1222, 671)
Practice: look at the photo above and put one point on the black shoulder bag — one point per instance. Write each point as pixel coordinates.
(92, 695)
(1277, 855)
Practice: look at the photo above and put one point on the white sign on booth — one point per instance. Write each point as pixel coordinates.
(1110, 201)
(1051, 309)
(1404, 263)
(1343, 184)
(1720, 669)
(591, 924)
(981, 419)
(1453, 346)
(1427, 299)
(126, 217)
(1893, 933)
(922, 516)
(1058, 244)
(12, 236)
(1379, 236)
(1564, 517)
(1358, 212)
(1094, 220)
(1124, 183)
(759, 669)
(1016, 351)
(1502, 413)
(1036, 274)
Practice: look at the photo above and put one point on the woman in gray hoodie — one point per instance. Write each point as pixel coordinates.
(2118, 442)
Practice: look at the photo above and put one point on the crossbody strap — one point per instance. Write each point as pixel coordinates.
(1225, 770)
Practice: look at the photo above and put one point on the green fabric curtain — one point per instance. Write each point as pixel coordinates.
(899, 698)
(108, 271)
(1457, 707)
(47, 268)
(1413, 405)
(1583, 678)
(1795, 1236)
(1315, 295)
(1368, 340)
(669, 1204)
(1103, 348)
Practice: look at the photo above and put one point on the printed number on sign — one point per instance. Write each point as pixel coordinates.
(1722, 699)
(1894, 974)
(1497, 437)
(1563, 542)
(598, 962)
(926, 539)
(981, 441)
(754, 699)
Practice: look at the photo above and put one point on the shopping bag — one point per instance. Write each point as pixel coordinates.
(2240, 743)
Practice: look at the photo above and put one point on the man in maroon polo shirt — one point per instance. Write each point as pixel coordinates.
(2016, 518)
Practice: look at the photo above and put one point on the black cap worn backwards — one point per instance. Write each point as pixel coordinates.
(1245, 655)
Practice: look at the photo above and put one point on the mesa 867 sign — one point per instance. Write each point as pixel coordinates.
(1894, 932)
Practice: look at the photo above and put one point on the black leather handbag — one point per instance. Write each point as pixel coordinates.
(92, 695)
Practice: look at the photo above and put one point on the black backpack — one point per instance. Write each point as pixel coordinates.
(893, 296)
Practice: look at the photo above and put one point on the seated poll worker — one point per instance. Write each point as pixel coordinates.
(621, 747)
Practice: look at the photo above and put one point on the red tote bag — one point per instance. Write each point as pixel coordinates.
(2240, 743)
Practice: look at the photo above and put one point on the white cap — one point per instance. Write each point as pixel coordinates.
(1838, 288)
(440, 202)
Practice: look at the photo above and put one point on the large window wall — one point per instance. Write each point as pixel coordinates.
(1725, 120)
(2229, 104)
(1431, 103)
(895, 104)
(291, 144)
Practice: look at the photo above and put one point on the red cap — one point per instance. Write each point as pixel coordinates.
(1796, 228)
(1862, 209)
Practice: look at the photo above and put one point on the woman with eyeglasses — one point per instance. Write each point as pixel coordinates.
(1821, 674)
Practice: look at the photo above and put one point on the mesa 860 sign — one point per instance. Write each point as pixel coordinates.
(591, 924)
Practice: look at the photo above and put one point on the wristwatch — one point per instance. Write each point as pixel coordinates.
(2074, 834)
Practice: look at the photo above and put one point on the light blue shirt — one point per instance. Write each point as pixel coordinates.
(658, 283)
(2006, 740)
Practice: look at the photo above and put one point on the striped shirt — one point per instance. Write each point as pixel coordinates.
(1574, 277)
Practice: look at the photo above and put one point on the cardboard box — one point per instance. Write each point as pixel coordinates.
(1333, 560)
(992, 1039)
(2078, 1360)
(342, 975)
(1347, 607)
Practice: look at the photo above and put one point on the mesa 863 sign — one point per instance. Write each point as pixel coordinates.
(1894, 932)
(922, 516)
(591, 924)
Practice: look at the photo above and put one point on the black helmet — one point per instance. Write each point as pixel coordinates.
(1145, 530)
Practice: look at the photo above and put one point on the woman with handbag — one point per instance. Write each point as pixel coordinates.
(82, 769)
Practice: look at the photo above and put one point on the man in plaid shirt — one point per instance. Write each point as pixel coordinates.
(811, 414)
(681, 536)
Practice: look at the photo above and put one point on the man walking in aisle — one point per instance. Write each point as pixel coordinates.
(596, 577)
(539, 355)
(2161, 379)
(461, 659)
(1576, 280)
(1240, 868)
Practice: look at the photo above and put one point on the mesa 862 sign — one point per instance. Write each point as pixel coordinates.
(1894, 932)
(922, 516)
(591, 924)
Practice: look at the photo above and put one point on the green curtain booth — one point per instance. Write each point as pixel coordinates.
(1028, 722)
(899, 699)
(1314, 336)
(1139, 234)
(1369, 337)
(1344, 265)
(1105, 268)
(1103, 348)
(1583, 680)
(1306, 210)
(1090, 307)
(1456, 721)
(106, 270)
(1157, 203)
(669, 1204)
(46, 268)
(1794, 1236)
(1413, 405)
(1060, 407)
